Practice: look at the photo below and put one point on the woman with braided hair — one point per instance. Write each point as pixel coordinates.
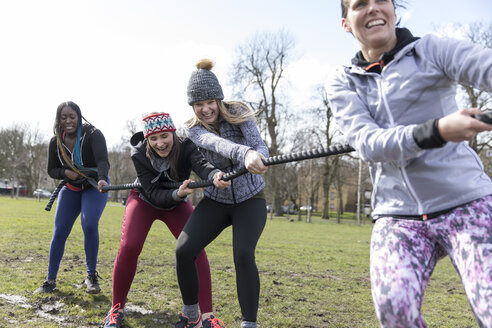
(78, 154)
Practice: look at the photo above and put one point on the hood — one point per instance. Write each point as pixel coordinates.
(137, 138)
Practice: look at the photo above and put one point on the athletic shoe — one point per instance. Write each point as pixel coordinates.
(92, 284)
(47, 287)
(212, 322)
(185, 322)
(114, 318)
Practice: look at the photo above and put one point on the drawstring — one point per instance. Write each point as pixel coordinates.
(379, 64)
(154, 180)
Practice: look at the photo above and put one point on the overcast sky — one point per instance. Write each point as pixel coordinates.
(120, 59)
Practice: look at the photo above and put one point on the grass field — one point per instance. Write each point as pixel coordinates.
(312, 275)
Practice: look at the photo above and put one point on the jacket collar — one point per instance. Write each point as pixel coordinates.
(404, 37)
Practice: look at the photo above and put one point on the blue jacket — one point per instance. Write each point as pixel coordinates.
(379, 112)
(226, 151)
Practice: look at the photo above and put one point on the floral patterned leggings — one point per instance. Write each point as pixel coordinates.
(405, 252)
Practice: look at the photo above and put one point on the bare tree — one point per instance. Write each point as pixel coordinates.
(480, 34)
(344, 176)
(324, 132)
(23, 157)
(290, 184)
(36, 150)
(11, 143)
(257, 74)
(122, 170)
(132, 128)
(309, 172)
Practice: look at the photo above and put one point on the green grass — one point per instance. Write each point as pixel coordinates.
(312, 275)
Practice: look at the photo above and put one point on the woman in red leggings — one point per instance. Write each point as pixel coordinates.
(159, 155)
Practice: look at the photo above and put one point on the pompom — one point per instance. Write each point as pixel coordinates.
(205, 64)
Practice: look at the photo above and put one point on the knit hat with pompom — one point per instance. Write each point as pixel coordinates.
(203, 84)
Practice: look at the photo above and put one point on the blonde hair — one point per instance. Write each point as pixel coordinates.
(233, 112)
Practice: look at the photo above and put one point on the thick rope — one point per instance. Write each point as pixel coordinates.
(54, 194)
(280, 159)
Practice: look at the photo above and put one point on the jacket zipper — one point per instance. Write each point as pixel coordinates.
(402, 168)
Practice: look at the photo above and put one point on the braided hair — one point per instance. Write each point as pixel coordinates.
(75, 164)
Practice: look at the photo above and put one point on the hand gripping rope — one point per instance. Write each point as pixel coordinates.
(485, 117)
(308, 154)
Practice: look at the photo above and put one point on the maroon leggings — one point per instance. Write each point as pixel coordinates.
(137, 220)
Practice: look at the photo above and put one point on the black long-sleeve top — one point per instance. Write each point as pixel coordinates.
(93, 151)
(190, 158)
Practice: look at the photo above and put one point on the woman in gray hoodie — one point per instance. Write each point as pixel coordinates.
(227, 135)
(396, 105)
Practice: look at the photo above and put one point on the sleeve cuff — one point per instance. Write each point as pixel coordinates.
(177, 198)
(211, 175)
(427, 136)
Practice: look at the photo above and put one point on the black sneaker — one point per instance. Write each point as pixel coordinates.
(212, 322)
(47, 287)
(114, 318)
(185, 322)
(92, 283)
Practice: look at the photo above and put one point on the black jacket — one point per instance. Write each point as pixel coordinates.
(189, 159)
(93, 151)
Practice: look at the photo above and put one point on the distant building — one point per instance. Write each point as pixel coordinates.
(6, 188)
(349, 197)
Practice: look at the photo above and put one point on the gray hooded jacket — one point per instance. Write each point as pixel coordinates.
(379, 112)
(226, 151)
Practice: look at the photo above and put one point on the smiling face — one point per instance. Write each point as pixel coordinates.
(69, 120)
(206, 110)
(161, 143)
(372, 22)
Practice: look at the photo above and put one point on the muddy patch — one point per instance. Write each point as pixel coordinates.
(48, 312)
(137, 309)
(45, 311)
(52, 310)
(16, 300)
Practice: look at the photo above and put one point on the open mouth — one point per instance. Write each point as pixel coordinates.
(162, 150)
(208, 116)
(377, 22)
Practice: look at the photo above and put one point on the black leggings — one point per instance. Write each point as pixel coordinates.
(206, 222)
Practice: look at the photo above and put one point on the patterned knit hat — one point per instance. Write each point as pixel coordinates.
(155, 123)
(203, 84)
